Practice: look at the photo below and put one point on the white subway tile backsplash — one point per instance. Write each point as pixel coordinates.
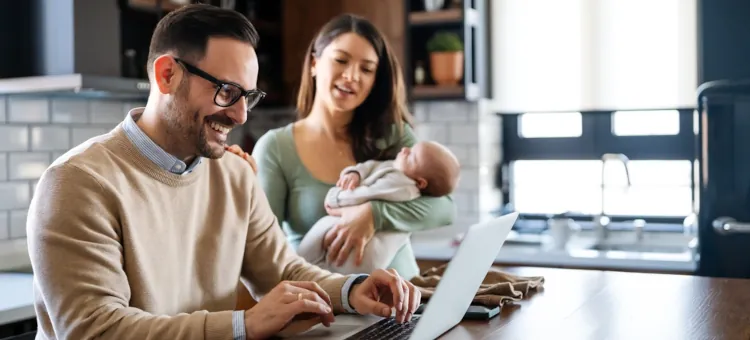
(470, 181)
(451, 111)
(14, 195)
(80, 135)
(28, 110)
(2, 109)
(18, 223)
(27, 165)
(50, 138)
(14, 138)
(108, 112)
(4, 226)
(70, 111)
(461, 152)
(464, 134)
(3, 167)
(437, 132)
(421, 111)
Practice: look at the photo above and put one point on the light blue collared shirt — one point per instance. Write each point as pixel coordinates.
(172, 164)
(153, 151)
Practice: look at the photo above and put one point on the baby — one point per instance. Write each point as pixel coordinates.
(427, 168)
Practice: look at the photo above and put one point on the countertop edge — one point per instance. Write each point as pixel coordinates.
(508, 256)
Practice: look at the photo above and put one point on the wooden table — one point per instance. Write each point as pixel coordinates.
(599, 305)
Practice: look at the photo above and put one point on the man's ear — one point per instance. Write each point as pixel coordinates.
(167, 74)
(421, 183)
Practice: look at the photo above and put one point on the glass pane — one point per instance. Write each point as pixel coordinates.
(551, 173)
(654, 173)
(646, 123)
(539, 199)
(649, 201)
(659, 187)
(546, 125)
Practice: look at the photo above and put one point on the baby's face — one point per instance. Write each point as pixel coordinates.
(408, 160)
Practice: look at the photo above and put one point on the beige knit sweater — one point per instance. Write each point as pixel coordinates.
(122, 249)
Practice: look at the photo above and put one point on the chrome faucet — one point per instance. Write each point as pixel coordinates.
(601, 222)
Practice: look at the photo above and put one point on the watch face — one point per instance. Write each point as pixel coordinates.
(360, 279)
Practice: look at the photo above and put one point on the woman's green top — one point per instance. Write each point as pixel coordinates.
(297, 198)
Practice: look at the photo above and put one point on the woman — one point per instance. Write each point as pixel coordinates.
(351, 108)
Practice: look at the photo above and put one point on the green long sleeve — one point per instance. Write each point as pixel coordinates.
(271, 173)
(419, 214)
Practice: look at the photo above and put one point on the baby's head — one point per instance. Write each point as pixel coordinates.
(431, 165)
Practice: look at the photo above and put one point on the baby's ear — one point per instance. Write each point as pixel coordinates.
(421, 183)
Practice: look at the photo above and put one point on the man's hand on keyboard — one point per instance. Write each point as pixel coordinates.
(384, 290)
(285, 302)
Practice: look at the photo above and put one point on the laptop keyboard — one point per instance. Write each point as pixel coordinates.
(387, 328)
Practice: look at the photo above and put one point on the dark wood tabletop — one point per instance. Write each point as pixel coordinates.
(599, 305)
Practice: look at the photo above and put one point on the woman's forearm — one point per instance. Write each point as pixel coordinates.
(419, 214)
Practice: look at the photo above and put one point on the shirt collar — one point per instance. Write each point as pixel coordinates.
(151, 150)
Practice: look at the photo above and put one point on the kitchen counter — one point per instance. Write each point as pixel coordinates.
(16, 297)
(577, 255)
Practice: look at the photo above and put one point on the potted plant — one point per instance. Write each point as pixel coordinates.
(446, 58)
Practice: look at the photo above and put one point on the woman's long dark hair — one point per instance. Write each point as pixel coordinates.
(383, 108)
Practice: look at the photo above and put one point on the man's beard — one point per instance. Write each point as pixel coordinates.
(185, 128)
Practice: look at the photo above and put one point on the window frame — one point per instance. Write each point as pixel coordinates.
(598, 138)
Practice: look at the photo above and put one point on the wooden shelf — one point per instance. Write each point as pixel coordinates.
(437, 92)
(453, 15)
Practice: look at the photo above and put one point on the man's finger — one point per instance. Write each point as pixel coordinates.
(293, 296)
(314, 288)
(415, 297)
(297, 295)
(308, 306)
(371, 306)
(403, 312)
(393, 283)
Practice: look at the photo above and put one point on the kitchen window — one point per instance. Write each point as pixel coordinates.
(563, 171)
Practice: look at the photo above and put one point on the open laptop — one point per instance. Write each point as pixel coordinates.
(450, 301)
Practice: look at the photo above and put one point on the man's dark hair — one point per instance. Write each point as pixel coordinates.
(186, 30)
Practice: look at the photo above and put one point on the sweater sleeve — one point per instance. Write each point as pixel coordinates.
(270, 174)
(266, 241)
(76, 254)
(425, 212)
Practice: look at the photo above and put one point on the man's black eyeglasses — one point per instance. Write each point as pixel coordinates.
(227, 93)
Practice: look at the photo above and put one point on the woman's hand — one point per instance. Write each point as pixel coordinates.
(348, 181)
(237, 150)
(354, 230)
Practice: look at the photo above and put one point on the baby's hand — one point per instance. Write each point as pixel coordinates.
(348, 181)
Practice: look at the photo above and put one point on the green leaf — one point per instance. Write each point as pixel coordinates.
(445, 42)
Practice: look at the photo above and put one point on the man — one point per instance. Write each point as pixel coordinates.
(144, 233)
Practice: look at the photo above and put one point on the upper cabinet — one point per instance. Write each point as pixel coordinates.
(448, 46)
(442, 44)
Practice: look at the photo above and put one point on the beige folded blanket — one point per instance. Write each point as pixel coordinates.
(497, 288)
